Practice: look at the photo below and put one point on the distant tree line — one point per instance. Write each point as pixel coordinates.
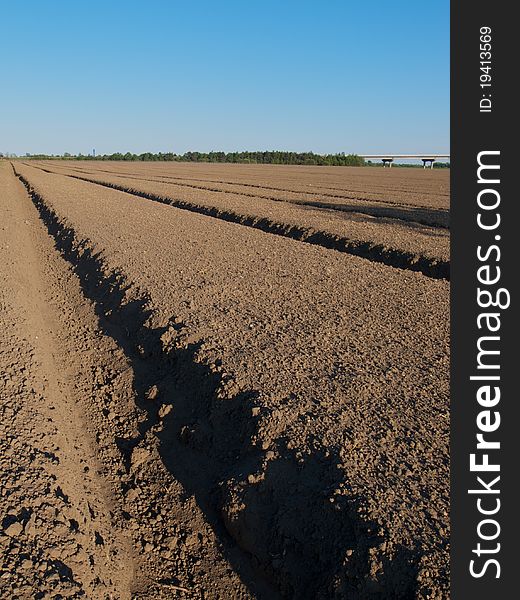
(266, 157)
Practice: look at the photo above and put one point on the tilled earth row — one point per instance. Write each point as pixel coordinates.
(393, 241)
(88, 508)
(296, 396)
(417, 188)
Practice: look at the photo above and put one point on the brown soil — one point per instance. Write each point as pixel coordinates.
(415, 187)
(196, 408)
(386, 232)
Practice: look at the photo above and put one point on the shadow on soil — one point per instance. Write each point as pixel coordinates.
(272, 514)
(432, 217)
(400, 259)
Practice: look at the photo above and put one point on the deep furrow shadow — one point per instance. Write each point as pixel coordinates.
(268, 510)
(405, 214)
(435, 268)
(416, 215)
(335, 193)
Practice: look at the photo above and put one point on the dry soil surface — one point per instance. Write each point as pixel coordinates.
(197, 408)
(390, 231)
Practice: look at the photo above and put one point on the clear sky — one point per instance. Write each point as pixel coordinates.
(159, 75)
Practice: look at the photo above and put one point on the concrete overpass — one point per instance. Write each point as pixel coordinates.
(388, 159)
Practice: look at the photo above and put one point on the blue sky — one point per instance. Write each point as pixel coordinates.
(157, 75)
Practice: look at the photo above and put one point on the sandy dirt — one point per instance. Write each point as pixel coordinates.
(226, 413)
(415, 187)
(395, 234)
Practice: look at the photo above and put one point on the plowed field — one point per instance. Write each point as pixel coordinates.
(224, 381)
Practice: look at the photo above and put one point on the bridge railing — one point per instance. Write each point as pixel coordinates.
(388, 159)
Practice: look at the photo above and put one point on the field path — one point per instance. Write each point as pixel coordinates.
(58, 531)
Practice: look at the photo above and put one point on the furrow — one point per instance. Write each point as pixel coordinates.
(428, 266)
(406, 213)
(230, 441)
